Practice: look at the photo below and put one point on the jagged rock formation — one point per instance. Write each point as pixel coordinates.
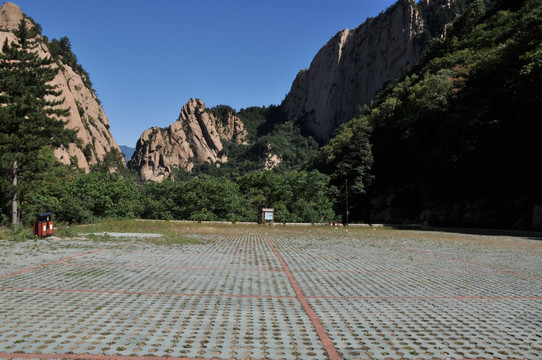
(353, 66)
(86, 113)
(195, 136)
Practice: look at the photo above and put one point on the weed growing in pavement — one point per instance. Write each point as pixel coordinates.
(173, 240)
(99, 237)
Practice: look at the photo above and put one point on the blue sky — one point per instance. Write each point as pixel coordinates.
(148, 58)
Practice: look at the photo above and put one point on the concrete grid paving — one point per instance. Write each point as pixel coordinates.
(275, 295)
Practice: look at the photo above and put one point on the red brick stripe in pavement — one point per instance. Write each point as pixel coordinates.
(426, 297)
(101, 265)
(322, 334)
(50, 263)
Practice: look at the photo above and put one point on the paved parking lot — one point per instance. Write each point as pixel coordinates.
(269, 293)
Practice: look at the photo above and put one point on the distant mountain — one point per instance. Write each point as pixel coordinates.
(86, 113)
(127, 151)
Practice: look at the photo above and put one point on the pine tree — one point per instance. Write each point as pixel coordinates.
(30, 114)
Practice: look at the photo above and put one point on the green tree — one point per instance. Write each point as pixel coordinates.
(158, 200)
(208, 198)
(312, 196)
(113, 162)
(30, 114)
(99, 195)
(296, 196)
(263, 189)
(61, 51)
(348, 156)
(45, 192)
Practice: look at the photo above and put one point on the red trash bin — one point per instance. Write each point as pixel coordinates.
(43, 225)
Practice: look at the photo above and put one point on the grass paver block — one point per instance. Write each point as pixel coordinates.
(383, 294)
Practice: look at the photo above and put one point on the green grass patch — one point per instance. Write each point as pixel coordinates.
(172, 232)
(130, 226)
(16, 233)
(4, 233)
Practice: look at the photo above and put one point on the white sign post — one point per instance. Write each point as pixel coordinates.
(268, 215)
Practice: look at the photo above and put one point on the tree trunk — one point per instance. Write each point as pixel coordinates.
(14, 200)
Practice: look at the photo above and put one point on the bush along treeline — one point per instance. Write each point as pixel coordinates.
(454, 141)
(107, 192)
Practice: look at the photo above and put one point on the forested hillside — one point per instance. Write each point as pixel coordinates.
(455, 141)
(273, 143)
(452, 142)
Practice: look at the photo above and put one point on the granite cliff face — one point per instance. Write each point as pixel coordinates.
(86, 113)
(352, 67)
(194, 137)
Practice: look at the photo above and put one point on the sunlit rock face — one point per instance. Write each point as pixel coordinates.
(352, 67)
(86, 113)
(195, 137)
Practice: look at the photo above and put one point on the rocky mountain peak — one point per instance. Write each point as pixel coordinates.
(196, 136)
(352, 67)
(10, 16)
(86, 113)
